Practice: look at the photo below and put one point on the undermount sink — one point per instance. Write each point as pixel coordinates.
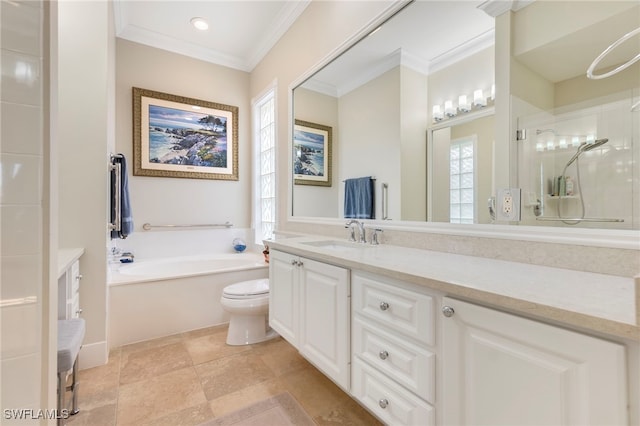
(337, 245)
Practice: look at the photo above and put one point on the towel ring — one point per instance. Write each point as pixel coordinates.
(608, 50)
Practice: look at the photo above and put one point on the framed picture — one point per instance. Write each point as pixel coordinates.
(174, 136)
(311, 154)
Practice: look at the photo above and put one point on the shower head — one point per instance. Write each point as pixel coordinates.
(584, 147)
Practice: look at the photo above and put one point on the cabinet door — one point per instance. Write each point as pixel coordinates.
(325, 319)
(283, 295)
(501, 369)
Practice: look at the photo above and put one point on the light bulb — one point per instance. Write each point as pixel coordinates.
(437, 113)
(449, 110)
(463, 105)
(478, 98)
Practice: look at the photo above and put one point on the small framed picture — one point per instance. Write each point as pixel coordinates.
(174, 136)
(311, 154)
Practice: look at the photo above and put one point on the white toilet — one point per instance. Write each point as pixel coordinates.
(248, 305)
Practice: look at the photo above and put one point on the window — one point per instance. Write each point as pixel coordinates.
(462, 177)
(264, 171)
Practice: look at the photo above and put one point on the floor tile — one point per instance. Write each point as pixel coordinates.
(148, 363)
(158, 397)
(149, 344)
(232, 373)
(280, 356)
(349, 413)
(191, 416)
(313, 390)
(210, 347)
(99, 416)
(230, 402)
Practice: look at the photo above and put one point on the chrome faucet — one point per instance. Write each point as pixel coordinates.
(352, 234)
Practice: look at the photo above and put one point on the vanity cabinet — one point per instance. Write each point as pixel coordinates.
(394, 350)
(309, 305)
(69, 277)
(504, 369)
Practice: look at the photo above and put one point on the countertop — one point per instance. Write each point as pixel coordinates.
(590, 301)
(66, 257)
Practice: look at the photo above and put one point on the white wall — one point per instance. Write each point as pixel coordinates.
(85, 74)
(160, 200)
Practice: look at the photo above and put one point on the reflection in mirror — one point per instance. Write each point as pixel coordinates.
(461, 164)
(579, 147)
(377, 98)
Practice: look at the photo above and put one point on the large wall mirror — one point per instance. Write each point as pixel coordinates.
(378, 98)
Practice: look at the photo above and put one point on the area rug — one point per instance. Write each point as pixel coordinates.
(280, 410)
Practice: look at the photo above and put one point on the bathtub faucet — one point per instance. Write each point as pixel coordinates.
(352, 234)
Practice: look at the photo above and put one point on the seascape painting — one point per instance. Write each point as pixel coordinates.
(183, 137)
(312, 154)
(186, 138)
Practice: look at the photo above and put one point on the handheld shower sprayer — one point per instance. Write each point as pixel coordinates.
(584, 147)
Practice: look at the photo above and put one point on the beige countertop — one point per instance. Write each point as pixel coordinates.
(590, 301)
(66, 257)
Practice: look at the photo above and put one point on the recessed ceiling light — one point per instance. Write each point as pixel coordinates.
(200, 23)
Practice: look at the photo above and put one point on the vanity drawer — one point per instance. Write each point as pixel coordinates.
(403, 310)
(408, 364)
(393, 404)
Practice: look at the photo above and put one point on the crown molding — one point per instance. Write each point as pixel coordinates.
(498, 7)
(468, 48)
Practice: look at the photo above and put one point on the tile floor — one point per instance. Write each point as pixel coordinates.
(189, 378)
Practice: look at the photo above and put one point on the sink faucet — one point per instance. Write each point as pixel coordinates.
(352, 235)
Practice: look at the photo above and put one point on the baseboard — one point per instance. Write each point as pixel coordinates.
(93, 355)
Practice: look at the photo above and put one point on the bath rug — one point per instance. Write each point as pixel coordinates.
(280, 410)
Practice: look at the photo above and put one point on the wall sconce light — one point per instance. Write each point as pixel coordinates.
(449, 110)
(575, 141)
(463, 104)
(550, 146)
(437, 114)
(478, 98)
(562, 144)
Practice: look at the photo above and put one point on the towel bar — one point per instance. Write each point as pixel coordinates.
(148, 226)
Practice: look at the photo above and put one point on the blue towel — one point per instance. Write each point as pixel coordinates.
(359, 198)
(126, 219)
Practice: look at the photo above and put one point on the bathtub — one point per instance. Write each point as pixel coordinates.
(159, 297)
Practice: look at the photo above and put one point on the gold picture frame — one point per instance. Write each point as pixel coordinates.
(180, 137)
(312, 154)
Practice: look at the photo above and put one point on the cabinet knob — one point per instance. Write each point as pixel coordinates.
(79, 311)
(294, 262)
(384, 306)
(448, 311)
(79, 277)
(384, 354)
(383, 403)
(300, 263)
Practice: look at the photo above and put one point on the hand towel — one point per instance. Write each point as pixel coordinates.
(359, 198)
(126, 218)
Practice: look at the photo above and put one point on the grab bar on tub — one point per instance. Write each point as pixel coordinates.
(148, 226)
(385, 201)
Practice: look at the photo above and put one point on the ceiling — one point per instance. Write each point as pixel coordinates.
(240, 33)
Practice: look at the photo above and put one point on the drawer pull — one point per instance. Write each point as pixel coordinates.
(294, 262)
(384, 354)
(79, 277)
(384, 306)
(448, 311)
(383, 403)
(79, 311)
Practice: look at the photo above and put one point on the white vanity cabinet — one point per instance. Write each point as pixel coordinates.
(504, 369)
(394, 349)
(309, 305)
(69, 277)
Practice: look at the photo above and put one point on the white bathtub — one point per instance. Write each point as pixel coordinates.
(160, 297)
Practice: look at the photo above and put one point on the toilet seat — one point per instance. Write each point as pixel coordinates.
(247, 289)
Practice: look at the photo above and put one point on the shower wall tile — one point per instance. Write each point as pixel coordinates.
(20, 27)
(21, 230)
(24, 339)
(20, 276)
(21, 129)
(21, 80)
(21, 383)
(21, 179)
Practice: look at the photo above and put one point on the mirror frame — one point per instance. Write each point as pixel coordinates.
(609, 238)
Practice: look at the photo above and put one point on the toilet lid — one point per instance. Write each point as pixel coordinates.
(247, 288)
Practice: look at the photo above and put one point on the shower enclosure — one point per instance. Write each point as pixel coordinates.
(578, 166)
